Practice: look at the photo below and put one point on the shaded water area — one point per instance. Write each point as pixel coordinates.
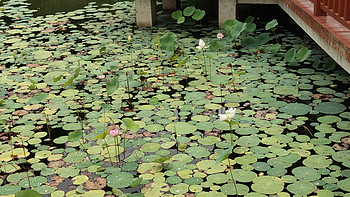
(69, 78)
(46, 7)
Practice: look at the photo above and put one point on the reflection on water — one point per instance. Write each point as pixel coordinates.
(46, 7)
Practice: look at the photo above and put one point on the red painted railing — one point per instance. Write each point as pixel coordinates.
(338, 9)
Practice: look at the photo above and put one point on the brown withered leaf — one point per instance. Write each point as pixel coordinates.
(339, 147)
(322, 97)
(345, 140)
(97, 183)
(266, 114)
(55, 164)
(56, 181)
(32, 65)
(20, 112)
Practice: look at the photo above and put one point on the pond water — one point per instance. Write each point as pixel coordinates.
(68, 79)
(46, 7)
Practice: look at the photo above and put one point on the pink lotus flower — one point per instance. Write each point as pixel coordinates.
(101, 76)
(114, 132)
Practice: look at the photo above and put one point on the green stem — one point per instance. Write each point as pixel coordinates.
(124, 145)
(104, 121)
(116, 151)
(233, 180)
(48, 126)
(127, 81)
(205, 64)
(221, 92)
(25, 157)
(210, 69)
(131, 60)
(231, 134)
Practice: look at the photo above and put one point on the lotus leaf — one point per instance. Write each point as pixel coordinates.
(301, 187)
(120, 179)
(267, 185)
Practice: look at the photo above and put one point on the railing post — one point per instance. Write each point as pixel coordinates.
(317, 9)
(341, 8)
(347, 11)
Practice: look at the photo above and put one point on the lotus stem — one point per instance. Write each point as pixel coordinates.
(205, 63)
(25, 158)
(116, 150)
(233, 180)
(104, 120)
(48, 126)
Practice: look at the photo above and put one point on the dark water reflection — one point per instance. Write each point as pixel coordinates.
(46, 7)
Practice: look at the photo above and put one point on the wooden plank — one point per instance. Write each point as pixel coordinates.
(332, 37)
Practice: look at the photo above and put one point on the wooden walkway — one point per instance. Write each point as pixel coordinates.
(331, 35)
(327, 22)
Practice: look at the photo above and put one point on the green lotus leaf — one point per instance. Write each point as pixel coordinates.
(271, 24)
(188, 11)
(296, 109)
(9, 189)
(306, 173)
(28, 193)
(181, 128)
(198, 14)
(301, 188)
(120, 179)
(197, 152)
(267, 185)
(317, 161)
(180, 188)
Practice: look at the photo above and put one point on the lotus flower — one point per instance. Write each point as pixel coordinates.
(201, 45)
(101, 76)
(114, 132)
(220, 36)
(229, 114)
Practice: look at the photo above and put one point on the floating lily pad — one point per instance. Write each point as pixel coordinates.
(306, 173)
(120, 179)
(317, 161)
(296, 109)
(301, 188)
(267, 185)
(197, 152)
(330, 108)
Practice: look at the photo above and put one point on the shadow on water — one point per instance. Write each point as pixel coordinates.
(47, 7)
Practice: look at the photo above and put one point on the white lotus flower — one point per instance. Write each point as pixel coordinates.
(201, 45)
(229, 114)
(220, 36)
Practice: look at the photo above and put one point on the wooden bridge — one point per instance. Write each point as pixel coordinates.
(327, 22)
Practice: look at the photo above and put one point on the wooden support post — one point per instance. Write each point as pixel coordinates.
(146, 13)
(341, 8)
(227, 10)
(347, 11)
(317, 9)
(169, 5)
